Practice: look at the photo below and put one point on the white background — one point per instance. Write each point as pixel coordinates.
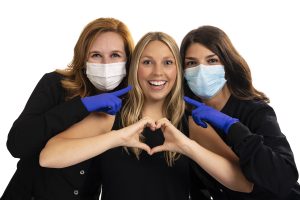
(38, 36)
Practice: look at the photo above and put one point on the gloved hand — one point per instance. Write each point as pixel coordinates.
(204, 113)
(109, 103)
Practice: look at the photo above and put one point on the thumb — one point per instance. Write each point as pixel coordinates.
(144, 147)
(122, 91)
(157, 149)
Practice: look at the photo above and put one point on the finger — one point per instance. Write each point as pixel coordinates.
(122, 91)
(162, 123)
(148, 122)
(198, 121)
(192, 101)
(115, 106)
(157, 149)
(144, 147)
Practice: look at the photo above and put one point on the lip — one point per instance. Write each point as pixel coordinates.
(157, 84)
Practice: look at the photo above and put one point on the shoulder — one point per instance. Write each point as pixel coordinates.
(252, 107)
(52, 77)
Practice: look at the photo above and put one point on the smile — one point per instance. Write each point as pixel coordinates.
(157, 83)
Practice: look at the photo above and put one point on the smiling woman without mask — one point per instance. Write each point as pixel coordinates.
(221, 78)
(143, 151)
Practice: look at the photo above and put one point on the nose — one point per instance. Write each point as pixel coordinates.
(158, 69)
(105, 60)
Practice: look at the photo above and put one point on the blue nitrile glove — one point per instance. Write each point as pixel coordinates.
(204, 113)
(109, 103)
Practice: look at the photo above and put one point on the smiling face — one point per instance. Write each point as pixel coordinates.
(156, 71)
(108, 47)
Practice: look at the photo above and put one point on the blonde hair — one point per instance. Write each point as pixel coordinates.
(75, 81)
(173, 104)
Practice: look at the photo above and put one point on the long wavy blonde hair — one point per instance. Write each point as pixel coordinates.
(75, 81)
(173, 104)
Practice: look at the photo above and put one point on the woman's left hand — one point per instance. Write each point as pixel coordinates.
(174, 139)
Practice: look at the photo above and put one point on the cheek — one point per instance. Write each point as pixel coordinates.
(173, 75)
(141, 75)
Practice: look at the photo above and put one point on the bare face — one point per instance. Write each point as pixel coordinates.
(157, 71)
(107, 48)
(197, 54)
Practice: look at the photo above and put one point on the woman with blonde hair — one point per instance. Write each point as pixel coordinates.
(63, 98)
(143, 152)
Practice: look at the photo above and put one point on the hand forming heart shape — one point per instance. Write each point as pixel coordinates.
(174, 139)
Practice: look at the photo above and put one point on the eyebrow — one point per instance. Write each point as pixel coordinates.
(167, 57)
(114, 51)
(193, 58)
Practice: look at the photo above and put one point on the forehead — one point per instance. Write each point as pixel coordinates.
(108, 41)
(197, 50)
(157, 49)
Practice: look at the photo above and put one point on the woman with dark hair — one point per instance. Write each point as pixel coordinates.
(220, 78)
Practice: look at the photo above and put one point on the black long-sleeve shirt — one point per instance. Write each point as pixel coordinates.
(266, 158)
(45, 115)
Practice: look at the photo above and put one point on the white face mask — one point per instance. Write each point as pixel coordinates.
(106, 76)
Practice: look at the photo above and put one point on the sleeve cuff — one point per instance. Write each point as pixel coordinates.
(237, 133)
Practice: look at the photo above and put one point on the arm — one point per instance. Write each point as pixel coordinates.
(226, 171)
(44, 115)
(263, 146)
(91, 137)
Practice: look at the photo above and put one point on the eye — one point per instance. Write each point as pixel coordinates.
(115, 55)
(190, 63)
(168, 62)
(146, 62)
(96, 55)
(213, 61)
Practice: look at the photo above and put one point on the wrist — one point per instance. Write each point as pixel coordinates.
(229, 123)
(187, 147)
(116, 138)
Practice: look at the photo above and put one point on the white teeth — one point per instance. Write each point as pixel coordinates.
(157, 83)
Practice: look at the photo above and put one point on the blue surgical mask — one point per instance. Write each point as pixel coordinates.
(205, 80)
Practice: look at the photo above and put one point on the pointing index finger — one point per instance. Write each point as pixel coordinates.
(122, 91)
(192, 101)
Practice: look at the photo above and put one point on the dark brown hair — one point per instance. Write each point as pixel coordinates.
(237, 71)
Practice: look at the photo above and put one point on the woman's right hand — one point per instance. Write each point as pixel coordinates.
(130, 134)
(109, 103)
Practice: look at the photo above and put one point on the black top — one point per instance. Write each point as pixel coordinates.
(45, 115)
(265, 155)
(147, 178)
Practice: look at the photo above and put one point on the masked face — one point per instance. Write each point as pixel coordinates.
(205, 80)
(105, 66)
(204, 71)
(106, 76)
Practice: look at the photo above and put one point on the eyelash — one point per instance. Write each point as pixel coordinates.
(212, 60)
(146, 62)
(114, 55)
(190, 63)
(96, 55)
(167, 62)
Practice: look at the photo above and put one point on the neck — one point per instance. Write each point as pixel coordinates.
(220, 99)
(153, 110)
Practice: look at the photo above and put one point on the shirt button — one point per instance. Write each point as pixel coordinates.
(76, 192)
(82, 172)
(221, 190)
(211, 198)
